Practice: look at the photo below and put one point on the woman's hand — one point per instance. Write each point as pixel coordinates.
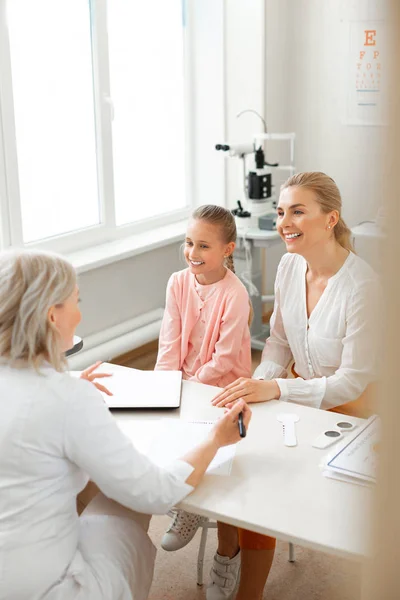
(226, 429)
(250, 390)
(90, 375)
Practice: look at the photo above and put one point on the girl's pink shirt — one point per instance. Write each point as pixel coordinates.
(205, 332)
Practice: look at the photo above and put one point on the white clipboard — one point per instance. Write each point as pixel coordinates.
(357, 457)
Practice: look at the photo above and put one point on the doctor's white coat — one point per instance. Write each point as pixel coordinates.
(55, 433)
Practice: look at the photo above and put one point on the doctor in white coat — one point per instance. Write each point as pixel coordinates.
(56, 433)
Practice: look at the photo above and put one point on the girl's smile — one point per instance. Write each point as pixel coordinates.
(205, 251)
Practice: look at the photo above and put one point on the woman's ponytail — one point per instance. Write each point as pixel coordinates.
(343, 235)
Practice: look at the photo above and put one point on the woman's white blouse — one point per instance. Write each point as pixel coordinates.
(55, 433)
(336, 350)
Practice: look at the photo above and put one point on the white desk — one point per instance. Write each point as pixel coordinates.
(274, 489)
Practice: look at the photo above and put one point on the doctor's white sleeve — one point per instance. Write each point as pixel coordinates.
(94, 442)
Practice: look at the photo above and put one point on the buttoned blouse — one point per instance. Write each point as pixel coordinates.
(192, 361)
(336, 350)
(205, 331)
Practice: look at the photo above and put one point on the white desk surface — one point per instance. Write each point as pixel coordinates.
(274, 489)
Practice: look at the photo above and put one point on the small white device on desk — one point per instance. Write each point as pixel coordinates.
(331, 436)
(288, 421)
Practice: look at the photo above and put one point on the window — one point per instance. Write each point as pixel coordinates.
(149, 156)
(51, 68)
(92, 101)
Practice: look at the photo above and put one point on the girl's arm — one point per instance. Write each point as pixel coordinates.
(169, 346)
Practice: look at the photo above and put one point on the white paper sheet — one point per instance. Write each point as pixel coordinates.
(177, 437)
(345, 478)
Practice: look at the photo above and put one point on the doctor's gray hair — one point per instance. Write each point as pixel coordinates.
(30, 283)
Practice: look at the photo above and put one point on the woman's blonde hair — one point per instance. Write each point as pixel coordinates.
(328, 197)
(224, 219)
(30, 283)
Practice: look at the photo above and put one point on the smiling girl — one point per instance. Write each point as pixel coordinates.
(205, 329)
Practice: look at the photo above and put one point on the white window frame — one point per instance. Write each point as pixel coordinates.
(106, 231)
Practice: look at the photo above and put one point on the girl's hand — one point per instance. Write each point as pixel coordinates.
(250, 390)
(226, 429)
(89, 375)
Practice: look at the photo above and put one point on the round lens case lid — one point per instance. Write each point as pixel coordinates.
(345, 426)
(326, 438)
(332, 433)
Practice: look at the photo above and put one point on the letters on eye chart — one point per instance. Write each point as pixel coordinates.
(366, 73)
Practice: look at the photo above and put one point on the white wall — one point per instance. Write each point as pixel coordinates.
(121, 291)
(307, 43)
(244, 81)
(126, 289)
(205, 27)
(306, 48)
(304, 90)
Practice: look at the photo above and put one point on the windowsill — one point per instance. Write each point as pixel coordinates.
(105, 254)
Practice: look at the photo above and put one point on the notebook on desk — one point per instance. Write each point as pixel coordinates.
(133, 388)
(356, 459)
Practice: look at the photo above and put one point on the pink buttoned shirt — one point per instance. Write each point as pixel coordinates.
(205, 331)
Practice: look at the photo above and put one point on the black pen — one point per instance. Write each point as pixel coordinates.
(242, 428)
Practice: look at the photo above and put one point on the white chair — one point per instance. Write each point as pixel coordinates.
(202, 548)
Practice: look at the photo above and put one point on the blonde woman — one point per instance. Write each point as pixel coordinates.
(55, 433)
(326, 322)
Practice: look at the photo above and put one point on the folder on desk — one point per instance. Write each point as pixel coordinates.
(133, 388)
(357, 458)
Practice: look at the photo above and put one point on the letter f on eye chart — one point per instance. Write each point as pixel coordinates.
(288, 421)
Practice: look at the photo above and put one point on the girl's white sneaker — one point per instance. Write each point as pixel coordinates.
(181, 530)
(224, 574)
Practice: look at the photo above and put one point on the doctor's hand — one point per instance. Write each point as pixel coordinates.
(250, 390)
(224, 433)
(90, 374)
(226, 429)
